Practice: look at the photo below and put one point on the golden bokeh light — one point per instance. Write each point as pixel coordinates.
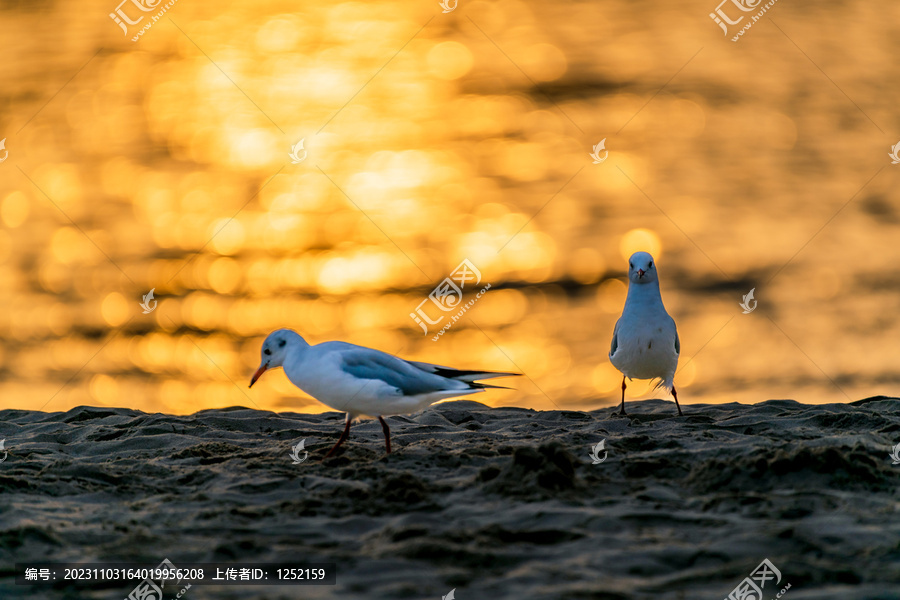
(225, 275)
(14, 209)
(639, 388)
(166, 164)
(611, 296)
(544, 62)
(587, 266)
(280, 34)
(687, 372)
(640, 240)
(606, 378)
(227, 236)
(449, 60)
(115, 309)
(5, 246)
(104, 390)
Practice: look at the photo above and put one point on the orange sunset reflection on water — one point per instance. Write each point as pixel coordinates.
(430, 138)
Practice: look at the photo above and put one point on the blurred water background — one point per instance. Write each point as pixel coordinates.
(430, 138)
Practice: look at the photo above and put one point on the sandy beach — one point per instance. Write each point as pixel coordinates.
(494, 503)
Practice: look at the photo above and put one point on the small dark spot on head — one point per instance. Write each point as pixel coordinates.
(659, 329)
(267, 352)
(281, 343)
(649, 344)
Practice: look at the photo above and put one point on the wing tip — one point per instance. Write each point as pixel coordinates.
(469, 376)
(487, 386)
(492, 374)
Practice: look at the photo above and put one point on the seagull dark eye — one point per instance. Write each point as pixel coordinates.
(267, 352)
(650, 266)
(630, 266)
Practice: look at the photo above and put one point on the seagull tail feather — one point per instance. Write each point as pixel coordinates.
(667, 384)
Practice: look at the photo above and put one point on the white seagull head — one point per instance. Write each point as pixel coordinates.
(275, 350)
(642, 268)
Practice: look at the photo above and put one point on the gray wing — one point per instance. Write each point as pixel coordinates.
(395, 372)
(615, 341)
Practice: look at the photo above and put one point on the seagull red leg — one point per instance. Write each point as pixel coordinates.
(675, 395)
(387, 434)
(622, 410)
(343, 437)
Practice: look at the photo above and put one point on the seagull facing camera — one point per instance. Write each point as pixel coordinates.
(641, 268)
(645, 342)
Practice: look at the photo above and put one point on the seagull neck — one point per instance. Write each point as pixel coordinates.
(643, 295)
(299, 348)
(295, 354)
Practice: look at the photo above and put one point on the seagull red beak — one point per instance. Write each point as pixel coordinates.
(262, 369)
(640, 273)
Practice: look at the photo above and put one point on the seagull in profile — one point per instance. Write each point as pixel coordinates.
(363, 381)
(645, 342)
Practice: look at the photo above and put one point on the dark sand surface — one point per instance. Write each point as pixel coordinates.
(497, 503)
